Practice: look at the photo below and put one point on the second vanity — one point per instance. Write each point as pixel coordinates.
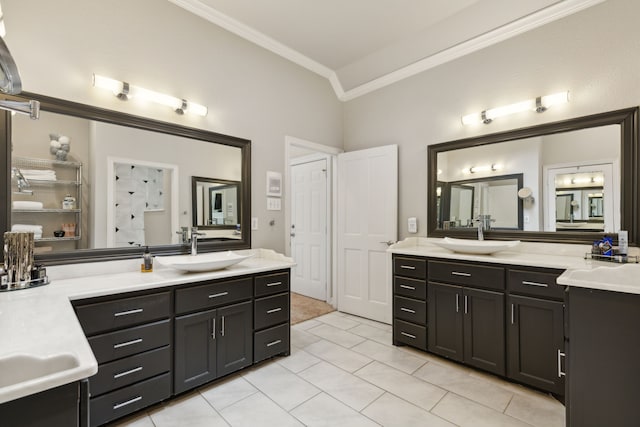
(539, 314)
(141, 338)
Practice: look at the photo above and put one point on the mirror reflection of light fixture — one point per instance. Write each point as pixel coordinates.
(526, 195)
(125, 91)
(486, 168)
(539, 104)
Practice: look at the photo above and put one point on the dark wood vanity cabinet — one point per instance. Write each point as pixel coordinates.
(410, 301)
(466, 322)
(154, 344)
(535, 328)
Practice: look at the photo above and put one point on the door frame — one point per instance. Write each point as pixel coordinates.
(318, 151)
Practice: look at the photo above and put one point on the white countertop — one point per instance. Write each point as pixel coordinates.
(40, 322)
(580, 272)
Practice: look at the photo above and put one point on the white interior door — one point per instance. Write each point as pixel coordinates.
(367, 219)
(309, 228)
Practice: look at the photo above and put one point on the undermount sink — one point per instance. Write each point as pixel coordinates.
(478, 247)
(202, 262)
(21, 368)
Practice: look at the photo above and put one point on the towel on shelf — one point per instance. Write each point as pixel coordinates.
(27, 227)
(39, 174)
(27, 205)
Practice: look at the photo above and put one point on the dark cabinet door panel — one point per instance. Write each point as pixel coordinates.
(410, 267)
(411, 288)
(115, 345)
(445, 320)
(535, 337)
(195, 350)
(271, 342)
(410, 334)
(270, 311)
(462, 273)
(268, 284)
(210, 295)
(235, 338)
(484, 339)
(411, 310)
(535, 282)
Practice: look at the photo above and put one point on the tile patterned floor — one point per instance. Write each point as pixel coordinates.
(343, 371)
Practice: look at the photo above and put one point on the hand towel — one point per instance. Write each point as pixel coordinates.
(26, 204)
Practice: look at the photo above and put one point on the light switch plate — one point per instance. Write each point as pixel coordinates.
(273, 204)
(254, 223)
(412, 225)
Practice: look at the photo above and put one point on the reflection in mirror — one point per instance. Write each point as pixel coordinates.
(86, 179)
(215, 203)
(595, 152)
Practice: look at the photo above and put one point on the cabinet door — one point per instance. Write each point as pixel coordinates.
(235, 337)
(484, 330)
(445, 320)
(195, 350)
(535, 337)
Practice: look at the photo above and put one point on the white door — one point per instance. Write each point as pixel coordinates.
(367, 219)
(309, 228)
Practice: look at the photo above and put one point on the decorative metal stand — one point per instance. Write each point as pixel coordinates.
(18, 267)
(621, 259)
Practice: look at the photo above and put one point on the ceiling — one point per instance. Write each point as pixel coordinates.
(364, 45)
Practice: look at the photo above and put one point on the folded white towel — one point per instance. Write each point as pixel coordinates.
(27, 204)
(38, 171)
(27, 227)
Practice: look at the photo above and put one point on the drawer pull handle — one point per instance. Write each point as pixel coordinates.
(413, 337)
(408, 310)
(274, 284)
(128, 343)
(408, 267)
(129, 372)
(274, 310)
(274, 343)
(221, 294)
(560, 355)
(411, 288)
(125, 313)
(458, 273)
(128, 402)
(542, 285)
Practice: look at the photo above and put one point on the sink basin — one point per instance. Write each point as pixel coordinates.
(479, 247)
(202, 262)
(21, 368)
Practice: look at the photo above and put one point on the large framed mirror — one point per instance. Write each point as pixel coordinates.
(98, 184)
(575, 181)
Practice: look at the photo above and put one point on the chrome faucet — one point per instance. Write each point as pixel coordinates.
(480, 227)
(184, 234)
(194, 240)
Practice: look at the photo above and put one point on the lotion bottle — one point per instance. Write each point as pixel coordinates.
(623, 242)
(147, 261)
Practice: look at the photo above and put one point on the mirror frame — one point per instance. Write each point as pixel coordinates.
(629, 186)
(60, 106)
(194, 202)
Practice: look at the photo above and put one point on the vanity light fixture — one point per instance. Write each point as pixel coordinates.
(125, 91)
(486, 168)
(539, 105)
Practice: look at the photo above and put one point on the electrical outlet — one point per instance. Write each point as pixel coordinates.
(254, 223)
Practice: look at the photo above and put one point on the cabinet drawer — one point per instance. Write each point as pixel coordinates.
(535, 283)
(130, 399)
(408, 333)
(130, 370)
(209, 295)
(270, 310)
(123, 312)
(271, 284)
(410, 267)
(115, 345)
(411, 288)
(270, 342)
(410, 310)
(482, 276)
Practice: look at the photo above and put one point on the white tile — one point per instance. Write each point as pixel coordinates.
(465, 413)
(338, 320)
(342, 385)
(191, 410)
(457, 380)
(373, 333)
(391, 356)
(298, 360)
(341, 357)
(540, 411)
(138, 420)
(391, 411)
(336, 335)
(258, 410)
(306, 324)
(324, 410)
(402, 385)
(281, 385)
(365, 321)
(301, 338)
(225, 393)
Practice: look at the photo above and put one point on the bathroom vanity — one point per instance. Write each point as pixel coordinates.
(143, 338)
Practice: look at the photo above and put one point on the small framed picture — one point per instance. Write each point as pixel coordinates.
(274, 184)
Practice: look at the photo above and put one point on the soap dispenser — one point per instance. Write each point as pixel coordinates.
(147, 261)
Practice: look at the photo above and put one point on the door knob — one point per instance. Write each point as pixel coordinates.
(389, 242)
(293, 234)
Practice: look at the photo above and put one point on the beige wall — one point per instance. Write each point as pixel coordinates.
(595, 54)
(251, 93)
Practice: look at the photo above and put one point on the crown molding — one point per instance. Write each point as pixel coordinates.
(527, 23)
